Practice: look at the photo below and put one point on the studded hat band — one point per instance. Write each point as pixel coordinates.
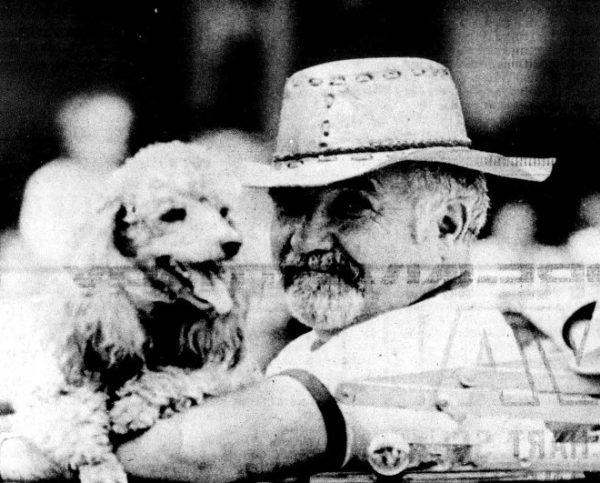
(372, 149)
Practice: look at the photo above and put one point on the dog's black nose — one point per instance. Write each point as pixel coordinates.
(230, 248)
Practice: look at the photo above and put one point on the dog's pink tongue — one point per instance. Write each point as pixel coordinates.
(212, 289)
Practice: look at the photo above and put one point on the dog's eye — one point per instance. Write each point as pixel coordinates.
(224, 211)
(174, 214)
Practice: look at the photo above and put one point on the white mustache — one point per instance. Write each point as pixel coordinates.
(334, 262)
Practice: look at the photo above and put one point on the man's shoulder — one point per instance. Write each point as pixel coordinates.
(294, 354)
(410, 339)
(459, 305)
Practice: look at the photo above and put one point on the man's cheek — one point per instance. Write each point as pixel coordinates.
(364, 250)
(280, 238)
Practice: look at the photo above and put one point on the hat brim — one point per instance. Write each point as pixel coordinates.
(325, 170)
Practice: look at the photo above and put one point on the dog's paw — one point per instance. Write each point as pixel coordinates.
(178, 406)
(109, 471)
(21, 460)
(133, 413)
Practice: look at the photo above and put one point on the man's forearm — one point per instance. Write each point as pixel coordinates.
(269, 428)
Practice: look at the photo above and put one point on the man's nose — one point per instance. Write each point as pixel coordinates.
(312, 233)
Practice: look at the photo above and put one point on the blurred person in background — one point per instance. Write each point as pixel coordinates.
(512, 237)
(515, 225)
(513, 240)
(94, 129)
(584, 244)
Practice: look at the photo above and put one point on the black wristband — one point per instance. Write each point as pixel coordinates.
(335, 424)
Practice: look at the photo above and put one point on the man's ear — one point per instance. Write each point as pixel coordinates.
(453, 220)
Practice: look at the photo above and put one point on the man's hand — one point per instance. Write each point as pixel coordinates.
(272, 427)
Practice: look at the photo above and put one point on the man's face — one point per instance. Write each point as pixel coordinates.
(341, 250)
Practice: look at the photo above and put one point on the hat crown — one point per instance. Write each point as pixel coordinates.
(363, 105)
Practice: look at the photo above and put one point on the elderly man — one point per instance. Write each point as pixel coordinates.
(375, 188)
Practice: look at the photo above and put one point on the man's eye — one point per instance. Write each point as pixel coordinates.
(290, 202)
(290, 209)
(351, 205)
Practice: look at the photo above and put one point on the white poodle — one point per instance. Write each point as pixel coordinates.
(144, 322)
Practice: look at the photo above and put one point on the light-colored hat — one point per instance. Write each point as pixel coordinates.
(347, 118)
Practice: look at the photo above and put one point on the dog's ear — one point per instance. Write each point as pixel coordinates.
(95, 239)
(197, 341)
(219, 340)
(121, 240)
(102, 338)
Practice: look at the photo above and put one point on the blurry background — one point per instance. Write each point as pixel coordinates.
(528, 73)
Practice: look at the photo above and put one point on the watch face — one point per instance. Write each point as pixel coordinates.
(388, 454)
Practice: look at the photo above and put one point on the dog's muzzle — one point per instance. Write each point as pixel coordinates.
(200, 284)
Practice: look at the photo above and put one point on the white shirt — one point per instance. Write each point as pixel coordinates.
(453, 329)
(449, 330)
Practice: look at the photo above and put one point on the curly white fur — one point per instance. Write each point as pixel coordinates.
(117, 352)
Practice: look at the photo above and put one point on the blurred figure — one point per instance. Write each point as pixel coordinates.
(512, 239)
(95, 129)
(584, 244)
(515, 225)
(589, 210)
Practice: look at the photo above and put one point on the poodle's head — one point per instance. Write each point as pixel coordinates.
(167, 220)
(171, 218)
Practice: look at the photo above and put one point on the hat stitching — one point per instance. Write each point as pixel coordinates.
(388, 74)
(371, 149)
(391, 74)
(337, 80)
